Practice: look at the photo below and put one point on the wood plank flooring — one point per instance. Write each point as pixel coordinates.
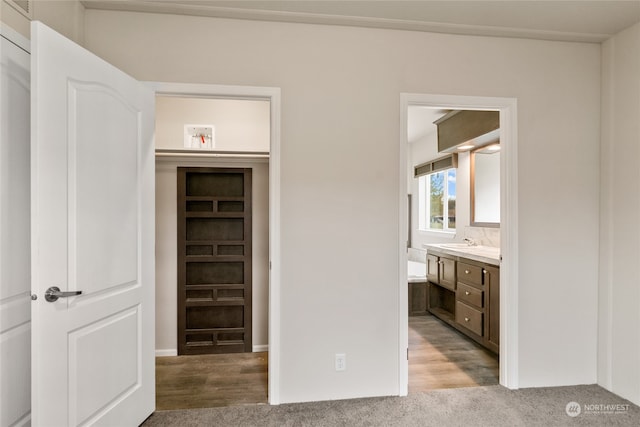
(211, 380)
(439, 357)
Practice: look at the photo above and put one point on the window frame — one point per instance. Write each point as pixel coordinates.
(424, 202)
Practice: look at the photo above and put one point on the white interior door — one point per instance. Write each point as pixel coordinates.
(92, 231)
(15, 287)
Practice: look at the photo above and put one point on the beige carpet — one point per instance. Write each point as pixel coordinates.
(478, 406)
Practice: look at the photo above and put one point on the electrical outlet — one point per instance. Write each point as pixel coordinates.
(341, 362)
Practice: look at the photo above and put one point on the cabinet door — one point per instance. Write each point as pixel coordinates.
(432, 269)
(448, 273)
(492, 325)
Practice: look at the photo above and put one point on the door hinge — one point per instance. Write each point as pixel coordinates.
(407, 353)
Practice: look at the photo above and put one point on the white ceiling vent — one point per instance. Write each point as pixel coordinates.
(25, 7)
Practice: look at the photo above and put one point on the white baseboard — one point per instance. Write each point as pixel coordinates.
(174, 352)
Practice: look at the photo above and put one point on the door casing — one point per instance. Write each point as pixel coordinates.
(271, 94)
(508, 227)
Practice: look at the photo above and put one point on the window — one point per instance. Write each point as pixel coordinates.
(437, 201)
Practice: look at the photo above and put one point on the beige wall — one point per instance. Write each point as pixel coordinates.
(64, 16)
(340, 171)
(619, 293)
(240, 125)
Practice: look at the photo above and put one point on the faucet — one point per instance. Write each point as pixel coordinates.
(469, 241)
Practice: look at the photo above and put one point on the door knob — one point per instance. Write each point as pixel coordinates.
(54, 292)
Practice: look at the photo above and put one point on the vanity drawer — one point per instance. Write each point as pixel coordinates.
(469, 317)
(470, 274)
(470, 295)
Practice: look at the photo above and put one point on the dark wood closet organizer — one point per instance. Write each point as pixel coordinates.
(214, 260)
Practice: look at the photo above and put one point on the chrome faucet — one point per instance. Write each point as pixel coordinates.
(469, 241)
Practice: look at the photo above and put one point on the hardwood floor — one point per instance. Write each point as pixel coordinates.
(212, 380)
(441, 357)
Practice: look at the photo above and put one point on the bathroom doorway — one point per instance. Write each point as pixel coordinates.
(425, 352)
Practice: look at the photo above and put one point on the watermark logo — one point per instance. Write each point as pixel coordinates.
(573, 409)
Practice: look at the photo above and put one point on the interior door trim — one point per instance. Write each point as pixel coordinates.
(509, 371)
(273, 95)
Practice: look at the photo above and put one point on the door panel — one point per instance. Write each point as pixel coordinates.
(15, 252)
(90, 352)
(214, 260)
(93, 227)
(102, 198)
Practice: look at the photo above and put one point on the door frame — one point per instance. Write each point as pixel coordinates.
(507, 107)
(271, 94)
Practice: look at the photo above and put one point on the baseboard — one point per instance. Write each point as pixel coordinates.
(173, 352)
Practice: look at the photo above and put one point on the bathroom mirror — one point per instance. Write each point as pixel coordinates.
(485, 186)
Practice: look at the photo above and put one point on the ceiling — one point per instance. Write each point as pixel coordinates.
(575, 20)
(420, 121)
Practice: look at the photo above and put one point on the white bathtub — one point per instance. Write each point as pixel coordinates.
(416, 272)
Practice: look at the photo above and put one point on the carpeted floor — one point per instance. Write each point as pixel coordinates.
(492, 406)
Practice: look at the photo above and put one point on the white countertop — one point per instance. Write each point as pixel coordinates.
(486, 254)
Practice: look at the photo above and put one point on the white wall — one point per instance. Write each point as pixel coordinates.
(619, 293)
(240, 124)
(339, 170)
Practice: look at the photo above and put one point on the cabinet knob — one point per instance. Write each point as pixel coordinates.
(466, 292)
(466, 319)
(484, 271)
(466, 272)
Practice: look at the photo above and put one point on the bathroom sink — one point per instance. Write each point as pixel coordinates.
(456, 246)
(465, 249)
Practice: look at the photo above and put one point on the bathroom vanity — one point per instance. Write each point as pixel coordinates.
(464, 290)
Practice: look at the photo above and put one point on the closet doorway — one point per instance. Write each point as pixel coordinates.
(228, 298)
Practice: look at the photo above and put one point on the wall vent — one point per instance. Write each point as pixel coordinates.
(25, 7)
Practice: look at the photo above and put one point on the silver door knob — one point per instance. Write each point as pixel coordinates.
(54, 292)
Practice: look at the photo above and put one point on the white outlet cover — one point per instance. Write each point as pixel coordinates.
(199, 137)
(341, 362)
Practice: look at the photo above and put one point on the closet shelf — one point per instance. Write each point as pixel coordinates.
(164, 152)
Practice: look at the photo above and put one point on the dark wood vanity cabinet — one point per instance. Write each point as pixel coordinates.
(470, 297)
(492, 327)
(433, 268)
(441, 270)
(418, 298)
(472, 304)
(441, 286)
